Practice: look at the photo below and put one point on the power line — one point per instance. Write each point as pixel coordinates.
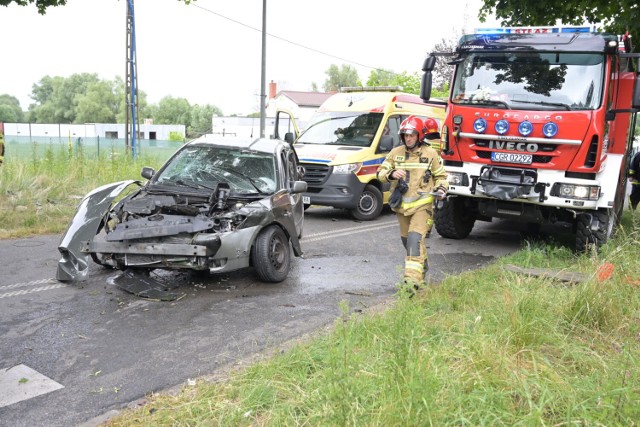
(289, 41)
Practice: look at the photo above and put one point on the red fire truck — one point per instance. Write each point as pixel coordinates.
(539, 128)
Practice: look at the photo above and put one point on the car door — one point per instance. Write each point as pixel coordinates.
(287, 207)
(296, 199)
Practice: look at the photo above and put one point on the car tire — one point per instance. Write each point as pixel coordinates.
(271, 255)
(369, 204)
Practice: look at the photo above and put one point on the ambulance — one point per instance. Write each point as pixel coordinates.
(346, 140)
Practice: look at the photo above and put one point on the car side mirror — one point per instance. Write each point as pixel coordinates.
(386, 143)
(298, 187)
(147, 172)
(288, 137)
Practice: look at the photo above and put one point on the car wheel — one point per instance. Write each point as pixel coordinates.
(271, 255)
(369, 204)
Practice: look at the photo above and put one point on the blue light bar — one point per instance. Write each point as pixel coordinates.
(534, 30)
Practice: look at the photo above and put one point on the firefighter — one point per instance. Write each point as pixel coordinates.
(432, 134)
(431, 138)
(417, 176)
(634, 178)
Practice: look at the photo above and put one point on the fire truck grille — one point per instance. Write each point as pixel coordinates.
(315, 174)
(536, 158)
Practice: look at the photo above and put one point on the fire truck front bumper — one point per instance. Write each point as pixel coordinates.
(542, 187)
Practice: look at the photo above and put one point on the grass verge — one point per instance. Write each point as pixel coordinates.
(40, 195)
(491, 347)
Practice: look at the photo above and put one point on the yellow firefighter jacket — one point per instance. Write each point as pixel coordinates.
(425, 173)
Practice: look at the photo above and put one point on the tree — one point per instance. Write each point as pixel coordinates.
(10, 110)
(201, 119)
(410, 83)
(173, 111)
(343, 76)
(98, 104)
(55, 97)
(42, 5)
(615, 17)
(379, 77)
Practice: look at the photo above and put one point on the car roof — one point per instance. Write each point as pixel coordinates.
(258, 144)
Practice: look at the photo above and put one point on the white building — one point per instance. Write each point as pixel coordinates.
(301, 104)
(92, 130)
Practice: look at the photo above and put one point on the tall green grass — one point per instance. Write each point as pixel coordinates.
(39, 194)
(490, 347)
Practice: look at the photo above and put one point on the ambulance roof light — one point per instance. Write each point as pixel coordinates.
(371, 89)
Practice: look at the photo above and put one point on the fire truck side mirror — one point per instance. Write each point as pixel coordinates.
(429, 63)
(425, 86)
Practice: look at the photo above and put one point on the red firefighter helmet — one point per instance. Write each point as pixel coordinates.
(411, 125)
(431, 129)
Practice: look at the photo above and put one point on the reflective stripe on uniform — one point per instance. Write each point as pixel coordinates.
(419, 202)
(412, 265)
(404, 165)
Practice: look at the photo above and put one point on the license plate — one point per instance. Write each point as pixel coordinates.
(523, 159)
(306, 200)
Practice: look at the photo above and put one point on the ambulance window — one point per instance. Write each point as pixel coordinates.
(392, 127)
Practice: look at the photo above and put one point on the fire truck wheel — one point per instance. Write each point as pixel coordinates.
(454, 220)
(588, 239)
(369, 204)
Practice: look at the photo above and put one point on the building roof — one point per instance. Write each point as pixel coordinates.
(305, 99)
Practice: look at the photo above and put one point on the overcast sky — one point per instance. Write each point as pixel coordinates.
(209, 52)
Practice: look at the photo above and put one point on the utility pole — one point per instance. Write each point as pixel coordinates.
(131, 83)
(263, 78)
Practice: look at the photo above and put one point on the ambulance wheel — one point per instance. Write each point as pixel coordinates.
(369, 204)
(454, 220)
(588, 238)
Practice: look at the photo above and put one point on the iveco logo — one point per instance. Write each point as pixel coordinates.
(514, 146)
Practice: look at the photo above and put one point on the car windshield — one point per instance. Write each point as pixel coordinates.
(204, 167)
(530, 80)
(353, 129)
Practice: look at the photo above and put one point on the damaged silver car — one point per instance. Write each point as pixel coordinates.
(216, 205)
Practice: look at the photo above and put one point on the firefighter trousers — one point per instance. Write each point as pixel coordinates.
(413, 229)
(634, 197)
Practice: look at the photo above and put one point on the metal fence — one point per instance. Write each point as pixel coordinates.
(34, 148)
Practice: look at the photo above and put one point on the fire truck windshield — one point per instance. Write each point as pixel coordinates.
(340, 128)
(530, 80)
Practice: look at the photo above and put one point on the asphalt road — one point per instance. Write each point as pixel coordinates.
(89, 349)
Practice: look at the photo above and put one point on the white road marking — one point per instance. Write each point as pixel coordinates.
(35, 282)
(54, 285)
(348, 231)
(21, 383)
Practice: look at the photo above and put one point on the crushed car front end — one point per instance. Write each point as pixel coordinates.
(203, 210)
